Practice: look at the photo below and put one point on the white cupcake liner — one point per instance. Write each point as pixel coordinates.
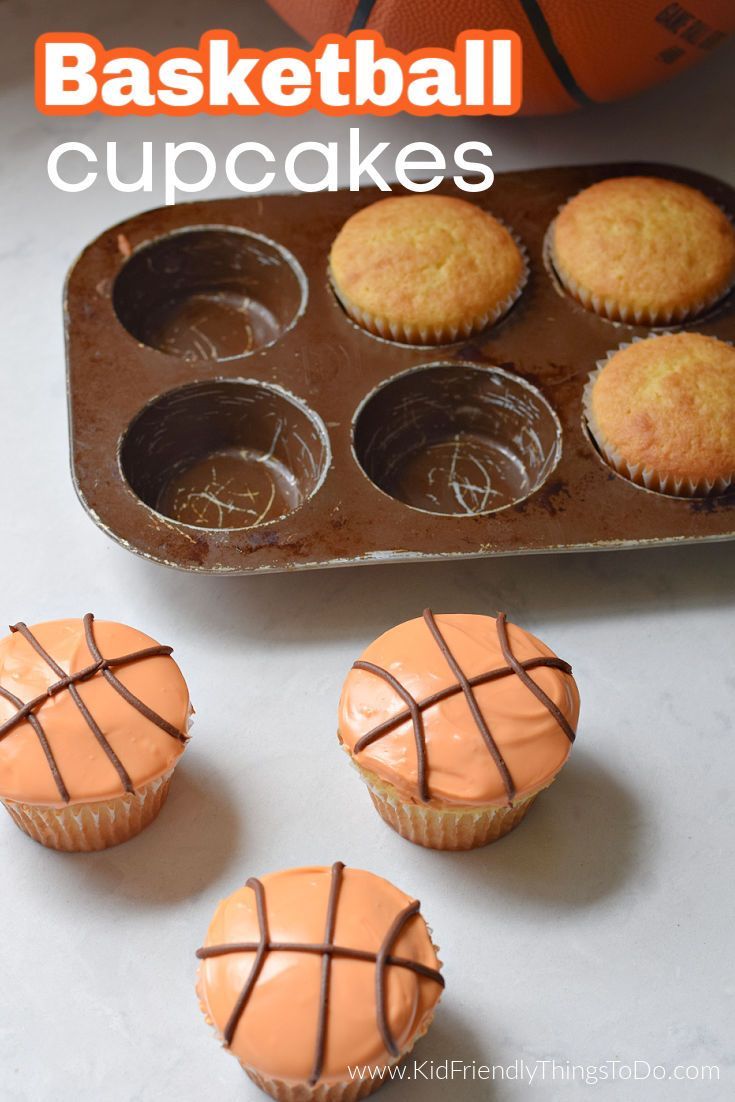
(78, 828)
(610, 308)
(662, 482)
(436, 335)
(443, 828)
(348, 1091)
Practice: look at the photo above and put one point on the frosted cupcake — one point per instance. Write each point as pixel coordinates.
(456, 723)
(645, 250)
(94, 717)
(425, 269)
(310, 972)
(662, 413)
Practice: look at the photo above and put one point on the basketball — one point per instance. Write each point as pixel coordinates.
(575, 52)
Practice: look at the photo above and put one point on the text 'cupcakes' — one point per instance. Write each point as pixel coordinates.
(93, 719)
(641, 249)
(456, 723)
(308, 973)
(425, 269)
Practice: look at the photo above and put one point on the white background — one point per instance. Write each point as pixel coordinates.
(600, 930)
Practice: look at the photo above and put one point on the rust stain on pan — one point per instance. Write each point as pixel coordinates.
(227, 417)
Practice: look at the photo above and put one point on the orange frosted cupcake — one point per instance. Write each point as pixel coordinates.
(456, 723)
(425, 269)
(311, 972)
(645, 250)
(662, 413)
(93, 719)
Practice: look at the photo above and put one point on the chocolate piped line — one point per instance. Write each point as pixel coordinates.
(79, 677)
(239, 1008)
(41, 736)
(124, 691)
(328, 950)
(454, 690)
(474, 707)
(68, 682)
(380, 961)
(84, 711)
(414, 711)
(209, 952)
(530, 684)
(321, 1033)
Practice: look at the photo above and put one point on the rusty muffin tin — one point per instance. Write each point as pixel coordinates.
(227, 417)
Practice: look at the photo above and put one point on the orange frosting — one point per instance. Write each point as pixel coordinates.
(144, 749)
(278, 1031)
(460, 768)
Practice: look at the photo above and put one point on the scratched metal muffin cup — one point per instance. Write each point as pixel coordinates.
(210, 293)
(457, 439)
(226, 454)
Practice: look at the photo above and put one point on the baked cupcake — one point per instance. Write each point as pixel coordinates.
(93, 719)
(311, 972)
(456, 723)
(645, 250)
(425, 269)
(662, 413)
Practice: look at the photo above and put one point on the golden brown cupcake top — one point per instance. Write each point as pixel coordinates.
(668, 403)
(89, 710)
(644, 246)
(308, 972)
(428, 263)
(459, 709)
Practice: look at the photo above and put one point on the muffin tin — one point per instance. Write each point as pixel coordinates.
(227, 417)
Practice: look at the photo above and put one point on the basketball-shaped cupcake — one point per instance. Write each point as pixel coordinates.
(308, 973)
(94, 716)
(456, 723)
(425, 269)
(662, 413)
(641, 249)
(574, 52)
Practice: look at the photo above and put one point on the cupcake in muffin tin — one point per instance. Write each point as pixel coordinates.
(662, 413)
(426, 269)
(643, 250)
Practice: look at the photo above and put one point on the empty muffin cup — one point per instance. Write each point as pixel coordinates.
(211, 293)
(231, 453)
(457, 439)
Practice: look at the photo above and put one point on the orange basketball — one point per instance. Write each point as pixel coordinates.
(574, 51)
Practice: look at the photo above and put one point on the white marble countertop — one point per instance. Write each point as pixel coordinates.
(601, 930)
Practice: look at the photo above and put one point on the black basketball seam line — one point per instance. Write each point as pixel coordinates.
(553, 54)
(539, 27)
(363, 11)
